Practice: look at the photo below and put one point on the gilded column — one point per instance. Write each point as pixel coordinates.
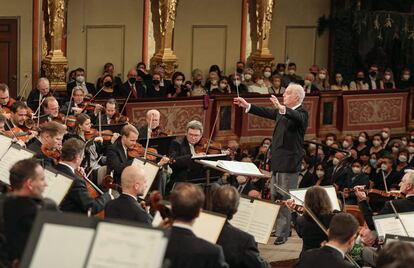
(55, 64)
(262, 56)
(165, 56)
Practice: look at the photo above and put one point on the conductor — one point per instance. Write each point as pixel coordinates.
(287, 146)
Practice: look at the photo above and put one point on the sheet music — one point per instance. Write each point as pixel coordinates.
(207, 226)
(5, 143)
(49, 251)
(388, 225)
(257, 218)
(151, 171)
(300, 193)
(14, 154)
(57, 186)
(408, 220)
(248, 169)
(125, 246)
(207, 156)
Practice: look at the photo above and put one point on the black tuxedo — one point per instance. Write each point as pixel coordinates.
(117, 159)
(143, 132)
(78, 199)
(33, 99)
(401, 205)
(340, 175)
(392, 180)
(183, 168)
(324, 257)
(358, 180)
(125, 207)
(19, 215)
(185, 250)
(240, 248)
(71, 85)
(104, 119)
(35, 146)
(126, 88)
(288, 135)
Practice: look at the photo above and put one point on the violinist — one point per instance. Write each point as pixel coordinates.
(401, 205)
(87, 88)
(18, 119)
(77, 103)
(358, 178)
(5, 101)
(78, 199)
(126, 206)
(41, 91)
(50, 138)
(50, 107)
(107, 118)
(152, 126)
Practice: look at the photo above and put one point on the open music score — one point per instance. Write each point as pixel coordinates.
(207, 226)
(389, 224)
(300, 193)
(256, 217)
(9, 155)
(150, 169)
(235, 167)
(57, 185)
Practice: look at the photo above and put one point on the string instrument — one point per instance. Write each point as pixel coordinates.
(118, 118)
(6, 108)
(18, 133)
(159, 132)
(70, 120)
(60, 118)
(295, 207)
(51, 152)
(93, 190)
(203, 146)
(108, 182)
(139, 150)
(377, 194)
(105, 134)
(157, 204)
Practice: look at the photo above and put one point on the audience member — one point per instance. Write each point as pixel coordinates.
(276, 85)
(405, 80)
(198, 88)
(291, 76)
(108, 89)
(322, 80)
(388, 81)
(133, 88)
(339, 83)
(359, 83)
(177, 88)
(155, 90)
(258, 84)
(80, 81)
(109, 69)
(374, 78)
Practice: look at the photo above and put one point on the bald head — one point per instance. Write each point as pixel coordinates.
(133, 180)
(153, 118)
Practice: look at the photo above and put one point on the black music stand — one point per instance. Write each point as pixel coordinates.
(162, 144)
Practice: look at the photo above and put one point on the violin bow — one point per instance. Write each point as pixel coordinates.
(147, 142)
(26, 83)
(126, 101)
(100, 123)
(10, 128)
(212, 131)
(315, 219)
(92, 99)
(69, 107)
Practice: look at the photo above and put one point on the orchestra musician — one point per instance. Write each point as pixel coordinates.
(5, 101)
(108, 117)
(126, 206)
(50, 108)
(78, 199)
(77, 103)
(27, 178)
(41, 91)
(152, 125)
(18, 116)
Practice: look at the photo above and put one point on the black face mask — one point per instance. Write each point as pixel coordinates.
(359, 79)
(314, 74)
(108, 84)
(197, 82)
(373, 73)
(239, 70)
(156, 82)
(132, 80)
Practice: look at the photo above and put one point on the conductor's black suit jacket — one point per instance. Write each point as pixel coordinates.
(288, 136)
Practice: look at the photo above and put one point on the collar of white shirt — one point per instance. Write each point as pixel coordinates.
(71, 168)
(131, 196)
(342, 253)
(184, 226)
(297, 106)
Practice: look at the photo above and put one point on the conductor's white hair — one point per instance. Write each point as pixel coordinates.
(298, 90)
(410, 178)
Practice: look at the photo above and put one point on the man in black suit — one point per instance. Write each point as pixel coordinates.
(27, 178)
(126, 206)
(132, 87)
(240, 248)
(287, 146)
(401, 205)
(78, 199)
(342, 233)
(41, 91)
(358, 178)
(340, 172)
(108, 117)
(153, 122)
(88, 88)
(184, 249)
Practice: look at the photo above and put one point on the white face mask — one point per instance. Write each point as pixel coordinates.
(312, 146)
(247, 77)
(356, 170)
(260, 82)
(291, 72)
(402, 158)
(345, 144)
(178, 83)
(329, 142)
(406, 76)
(307, 83)
(236, 83)
(223, 85)
(404, 142)
(362, 139)
(80, 79)
(387, 77)
(384, 135)
(281, 73)
(335, 161)
(384, 167)
(395, 149)
(376, 143)
(267, 74)
(411, 149)
(322, 76)
(320, 173)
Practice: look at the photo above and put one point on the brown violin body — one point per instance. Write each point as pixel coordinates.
(213, 147)
(51, 152)
(139, 151)
(159, 132)
(19, 133)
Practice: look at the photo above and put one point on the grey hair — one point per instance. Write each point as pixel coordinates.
(298, 90)
(410, 178)
(43, 79)
(195, 124)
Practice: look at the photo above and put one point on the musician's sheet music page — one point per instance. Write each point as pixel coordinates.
(208, 226)
(408, 220)
(5, 143)
(57, 186)
(240, 167)
(62, 246)
(388, 225)
(124, 246)
(9, 159)
(257, 218)
(300, 194)
(151, 171)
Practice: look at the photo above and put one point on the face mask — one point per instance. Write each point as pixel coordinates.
(339, 80)
(406, 76)
(197, 82)
(359, 79)
(345, 144)
(395, 149)
(384, 167)
(376, 143)
(404, 142)
(384, 135)
(362, 139)
(402, 158)
(282, 73)
(329, 142)
(322, 76)
(412, 137)
(239, 70)
(411, 149)
(276, 84)
(156, 82)
(247, 77)
(387, 77)
(236, 83)
(302, 167)
(335, 161)
(320, 173)
(80, 79)
(312, 146)
(373, 162)
(291, 72)
(132, 80)
(213, 82)
(108, 84)
(223, 85)
(178, 83)
(267, 74)
(373, 73)
(356, 170)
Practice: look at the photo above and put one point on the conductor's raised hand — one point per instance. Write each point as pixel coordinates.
(276, 102)
(241, 102)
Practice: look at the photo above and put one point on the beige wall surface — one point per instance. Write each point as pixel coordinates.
(294, 32)
(204, 30)
(101, 31)
(23, 10)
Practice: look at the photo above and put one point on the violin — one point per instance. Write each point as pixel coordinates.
(6, 108)
(51, 152)
(295, 207)
(108, 182)
(157, 204)
(70, 120)
(213, 147)
(378, 194)
(139, 150)
(159, 132)
(18, 133)
(120, 119)
(105, 134)
(93, 190)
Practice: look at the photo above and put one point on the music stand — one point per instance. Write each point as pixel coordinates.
(116, 128)
(161, 144)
